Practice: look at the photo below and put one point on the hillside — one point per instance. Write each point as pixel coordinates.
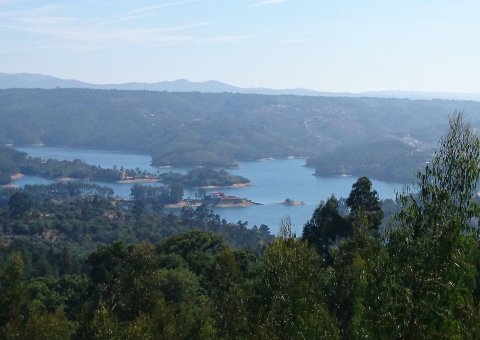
(187, 129)
(388, 160)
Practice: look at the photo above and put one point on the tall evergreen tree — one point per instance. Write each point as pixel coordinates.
(363, 200)
(326, 227)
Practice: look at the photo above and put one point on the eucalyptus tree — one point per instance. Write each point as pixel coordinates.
(426, 287)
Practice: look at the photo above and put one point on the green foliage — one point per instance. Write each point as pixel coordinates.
(435, 252)
(292, 293)
(354, 262)
(203, 177)
(421, 281)
(157, 196)
(62, 223)
(66, 191)
(64, 274)
(19, 204)
(364, 201)
(9, 160)
(218, 129)
(326, 227)
(389, 160)
(11, 286)
(76, 169)
(12, 161)
(197, 248)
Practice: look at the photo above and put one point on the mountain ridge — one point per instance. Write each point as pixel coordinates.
(41, 81)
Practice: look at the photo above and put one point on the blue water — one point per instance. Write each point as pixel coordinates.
(272, 182)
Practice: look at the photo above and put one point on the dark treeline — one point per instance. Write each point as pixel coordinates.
(204, 177)
(155, 197)
(343, 278)
(13, 161)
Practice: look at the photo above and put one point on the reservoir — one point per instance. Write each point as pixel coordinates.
(272, 182)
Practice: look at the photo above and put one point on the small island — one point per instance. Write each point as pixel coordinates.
(205, 178)
(291, 203)
(216, 200)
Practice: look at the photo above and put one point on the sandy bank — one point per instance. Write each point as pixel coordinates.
(233, 186)
(65, 179)
(182, 204)
(18, 175)
(177, 205)
(138, 180)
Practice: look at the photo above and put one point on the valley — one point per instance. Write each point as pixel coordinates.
(191, 129)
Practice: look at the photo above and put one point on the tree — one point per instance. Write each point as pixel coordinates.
(326, 227)
(11, 289)
(355, 264)
(19, 204)
(291, 290)
(197, 248)
(175, 192)
(428, 290)
(126, 278)
(363, 199)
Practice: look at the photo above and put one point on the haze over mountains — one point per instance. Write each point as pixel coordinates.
(29, 80)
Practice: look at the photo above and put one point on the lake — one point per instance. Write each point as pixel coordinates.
(272, 182)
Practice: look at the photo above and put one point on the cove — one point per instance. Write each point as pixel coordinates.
(272, 182)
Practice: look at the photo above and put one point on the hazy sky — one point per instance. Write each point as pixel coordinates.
(429, 45)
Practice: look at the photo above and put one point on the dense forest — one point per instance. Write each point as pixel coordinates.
(81, 217)
(199, 177)
(388, 160)
(189, 129)
(64, 274)
(13, 161)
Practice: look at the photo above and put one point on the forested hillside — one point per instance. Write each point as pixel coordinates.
(390, 160)
(218, 129)
(65, 274)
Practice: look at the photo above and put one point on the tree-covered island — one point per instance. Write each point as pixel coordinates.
(14, 163)
(205, 177)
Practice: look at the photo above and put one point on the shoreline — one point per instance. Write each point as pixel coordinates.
(184, 203)
(138, 180)
(292, 203)
(235, 205)
(17, 175)
(65, 179)
(233, 186)
(177, 205)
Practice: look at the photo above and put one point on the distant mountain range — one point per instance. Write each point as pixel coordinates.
(29, 80)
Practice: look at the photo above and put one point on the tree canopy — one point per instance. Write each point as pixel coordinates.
(84, 267)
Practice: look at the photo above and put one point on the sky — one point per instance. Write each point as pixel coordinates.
(338, 46)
